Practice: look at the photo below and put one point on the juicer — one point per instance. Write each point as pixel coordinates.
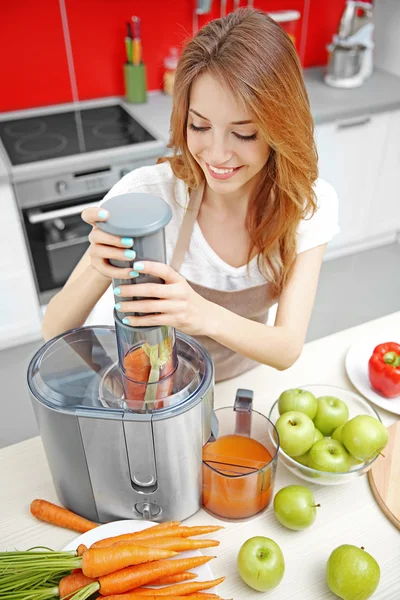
(124, 412)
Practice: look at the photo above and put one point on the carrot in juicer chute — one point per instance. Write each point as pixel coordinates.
(153, 365)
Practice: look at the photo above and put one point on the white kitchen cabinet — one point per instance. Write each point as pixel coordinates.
(384, 213)
(19, 304)
(350, 157)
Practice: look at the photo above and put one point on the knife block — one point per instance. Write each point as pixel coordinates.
(135, 83)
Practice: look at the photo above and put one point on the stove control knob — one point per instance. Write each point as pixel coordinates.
(61, 187)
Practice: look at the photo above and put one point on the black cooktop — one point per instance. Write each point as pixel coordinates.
(66, 133)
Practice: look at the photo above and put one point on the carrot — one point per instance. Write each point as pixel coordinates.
(137, 596)
(183, 589)
(57, 515)
(177, 578)
(81, 549)
(176, 531)
(144, 533)
(177, 544)
(199, 530)
(97, 562)
(133, 577)
(137, 367)
(70, 584)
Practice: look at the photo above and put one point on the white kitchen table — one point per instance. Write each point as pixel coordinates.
(348, 514)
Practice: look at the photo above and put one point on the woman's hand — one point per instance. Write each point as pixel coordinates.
(177, 303)
(104, 246)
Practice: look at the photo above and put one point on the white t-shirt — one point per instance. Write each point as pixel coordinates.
(201, 264)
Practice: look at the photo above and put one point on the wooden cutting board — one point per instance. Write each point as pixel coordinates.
(384, 477)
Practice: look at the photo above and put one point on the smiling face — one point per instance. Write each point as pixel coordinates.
(223, 139)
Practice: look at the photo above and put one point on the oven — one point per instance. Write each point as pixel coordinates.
(57, 238)
(56, 235)
(62, 161)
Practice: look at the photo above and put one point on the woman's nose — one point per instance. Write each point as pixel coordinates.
(218, 151)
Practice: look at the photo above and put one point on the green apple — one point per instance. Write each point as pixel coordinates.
(304, 458)
(331, 413)
(261, 564)
(364, 437)
(296, 432)
(329, 455)
(295, 507)
(297, 399)
(352, 573)
(337, 434)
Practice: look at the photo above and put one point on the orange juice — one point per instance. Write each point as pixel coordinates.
(237, 477)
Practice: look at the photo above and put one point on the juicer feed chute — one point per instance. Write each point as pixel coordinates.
(124, 412)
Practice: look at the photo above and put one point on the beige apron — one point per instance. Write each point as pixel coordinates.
(252, 303)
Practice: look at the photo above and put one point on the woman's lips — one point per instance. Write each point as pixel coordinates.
(221, 176)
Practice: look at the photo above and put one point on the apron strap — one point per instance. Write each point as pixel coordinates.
(183, 241)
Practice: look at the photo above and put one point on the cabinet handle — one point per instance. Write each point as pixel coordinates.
(354, 123)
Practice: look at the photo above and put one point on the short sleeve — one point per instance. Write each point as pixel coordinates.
(324, 224)
(128, 183)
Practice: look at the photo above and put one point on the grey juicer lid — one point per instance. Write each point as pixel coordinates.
(135, 214)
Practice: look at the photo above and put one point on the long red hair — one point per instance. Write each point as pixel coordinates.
(252, 56)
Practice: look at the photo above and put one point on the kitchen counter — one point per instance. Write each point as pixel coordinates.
(379, 93)
(348, 513)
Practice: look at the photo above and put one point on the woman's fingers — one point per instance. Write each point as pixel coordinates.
(103, 266)
(97, 236)
(92, 215)
(110, 252)
(149, 321)
(148, 306)
(147, 290)
(158, 269)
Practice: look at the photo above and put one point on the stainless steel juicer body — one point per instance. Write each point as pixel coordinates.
(107, 461)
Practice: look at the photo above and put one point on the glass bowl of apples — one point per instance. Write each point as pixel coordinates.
(328, 435)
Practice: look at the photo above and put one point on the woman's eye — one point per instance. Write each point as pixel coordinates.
(246, 138)
(200, 129)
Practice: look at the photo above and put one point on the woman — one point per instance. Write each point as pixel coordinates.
(244, 164)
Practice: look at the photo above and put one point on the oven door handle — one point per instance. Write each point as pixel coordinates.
(35, 217)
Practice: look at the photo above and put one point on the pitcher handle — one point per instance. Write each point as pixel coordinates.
(243, 408)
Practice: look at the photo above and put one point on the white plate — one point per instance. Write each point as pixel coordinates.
(204, 572)
(357, 359)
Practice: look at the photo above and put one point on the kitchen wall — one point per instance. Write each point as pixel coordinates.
(387, 36)
(56, 51)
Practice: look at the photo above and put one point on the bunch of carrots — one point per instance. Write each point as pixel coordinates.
(117, 568)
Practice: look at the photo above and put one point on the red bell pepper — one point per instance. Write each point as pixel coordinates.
(384, 369)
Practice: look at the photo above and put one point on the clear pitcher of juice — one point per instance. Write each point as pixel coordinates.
(239, 461)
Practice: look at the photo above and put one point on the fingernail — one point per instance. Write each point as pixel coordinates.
(130, 254)
(103, 214)
(133, 274)
(125, 241)
(117, 291)
(138, 266)
(126, 321)
(118, 306)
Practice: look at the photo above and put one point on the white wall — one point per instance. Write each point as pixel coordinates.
(387, 35)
